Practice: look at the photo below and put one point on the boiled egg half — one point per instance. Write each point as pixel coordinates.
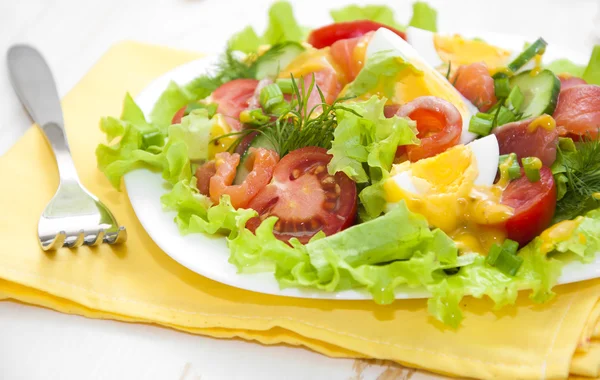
(455, 192)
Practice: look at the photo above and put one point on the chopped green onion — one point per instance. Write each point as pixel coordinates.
(510, 163)
(493, 254)
(504, 257)
(508, 263)
(538, 47)
(566, 144)
(515, 99)
(286, 85)
(271, 96)
(505, 116)
(254, 117)
(481, 124)
(501, 87)
(154, 138)
(532, 166)
(510, 246)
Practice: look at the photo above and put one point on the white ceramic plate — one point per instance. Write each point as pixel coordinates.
(208, 256)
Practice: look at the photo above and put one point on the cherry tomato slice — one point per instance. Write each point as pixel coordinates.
(232, 98)
(327, 35)
(305, 198)
(533, 203)
(261, 161)
(439, 124)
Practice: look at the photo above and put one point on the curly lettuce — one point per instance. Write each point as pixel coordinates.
(282, 27)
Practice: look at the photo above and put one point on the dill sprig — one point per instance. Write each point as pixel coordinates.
(297, 126)
(582, 169)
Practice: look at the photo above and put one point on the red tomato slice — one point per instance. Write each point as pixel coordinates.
(348, 57)
(178, 116)
(439, 124)
(262, 162)
(232, 98)
(327, 35)
(578, 111)
(476, 84)
(305, 198)
(533, 203)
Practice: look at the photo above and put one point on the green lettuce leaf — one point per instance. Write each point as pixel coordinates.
(424, 16)
(245, 40)
(479, 279)
(564, 66)
(397, 248)
(380, 70)
(369, 140)
(378, 13)
(589, 73)
(592, 71)
(170, 101)
(135, 142)
(282, 27)
(194, 131)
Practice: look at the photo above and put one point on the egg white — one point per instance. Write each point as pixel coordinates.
(487, 156)
(386, 40)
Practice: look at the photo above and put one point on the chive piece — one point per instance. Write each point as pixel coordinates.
(501, 87)
(493, 254)
(286, 85)
(538, 47)
(505, 116)
(515, 99)
(566, 144)
(510, 246)
(510, 163)
(508, 263)
(270, 96)
(481, 124)
(532, 166)
(504, 257)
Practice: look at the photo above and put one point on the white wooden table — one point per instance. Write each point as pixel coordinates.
(37, 343)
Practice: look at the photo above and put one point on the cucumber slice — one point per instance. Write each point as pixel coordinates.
(276, 58)
(538, 47)
(259, 141)
(540, 92)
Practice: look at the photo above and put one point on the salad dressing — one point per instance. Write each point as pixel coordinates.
(558, 233)
(446, 194)
(544, 121)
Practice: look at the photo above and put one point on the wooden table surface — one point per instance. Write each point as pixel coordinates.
(36, 343)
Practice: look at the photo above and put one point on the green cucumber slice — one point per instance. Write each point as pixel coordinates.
(276, 58)
(538, 47)
(540, 92)
(259, 141)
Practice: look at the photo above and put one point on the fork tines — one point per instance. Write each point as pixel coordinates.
(62, 239)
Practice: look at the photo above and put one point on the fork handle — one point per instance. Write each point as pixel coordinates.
(33, 82)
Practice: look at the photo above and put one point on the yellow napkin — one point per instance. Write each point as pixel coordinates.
(138, 282)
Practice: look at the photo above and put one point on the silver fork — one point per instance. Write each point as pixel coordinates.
(74, 216)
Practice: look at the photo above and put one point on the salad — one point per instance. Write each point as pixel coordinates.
(369, 154)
